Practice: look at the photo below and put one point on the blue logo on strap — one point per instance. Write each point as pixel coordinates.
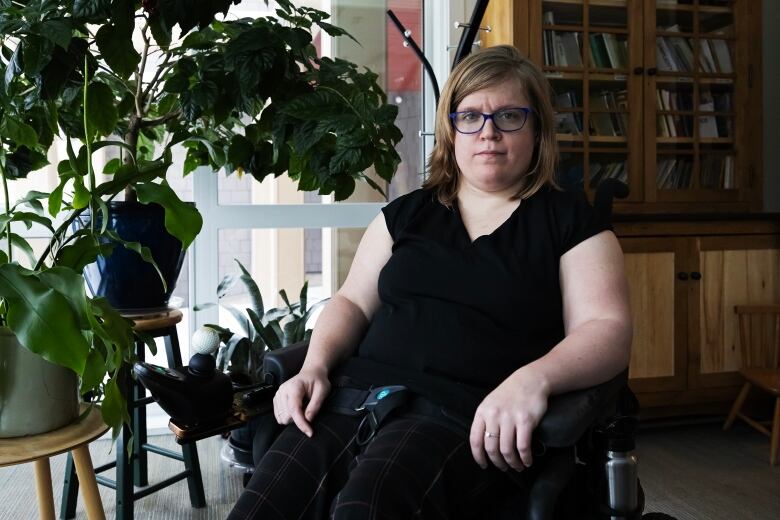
(382, 394)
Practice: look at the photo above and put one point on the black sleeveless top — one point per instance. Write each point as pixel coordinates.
(458, 317)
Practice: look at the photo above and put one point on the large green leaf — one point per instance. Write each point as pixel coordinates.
(102, 114)
(42, 319)
(113, 408)
(58, 31)
(94, 370)
(82, 252)
(117, 49)
(70, 284)
(19, 132)
(91, 8)
(182, 220)
(36, 53)
(20, 243)
(254, 291)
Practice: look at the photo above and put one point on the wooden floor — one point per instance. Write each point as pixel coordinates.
(691, 472)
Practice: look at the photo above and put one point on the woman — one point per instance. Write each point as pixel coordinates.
(485, 292)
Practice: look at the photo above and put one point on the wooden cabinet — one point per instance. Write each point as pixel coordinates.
(663, 94)
(684, 280)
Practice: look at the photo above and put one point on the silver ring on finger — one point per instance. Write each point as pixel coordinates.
(490, 435)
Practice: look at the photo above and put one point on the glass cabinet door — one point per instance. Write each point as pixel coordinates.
(589, 50)
(691, 77)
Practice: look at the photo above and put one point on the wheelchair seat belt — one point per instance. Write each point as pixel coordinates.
(376, 404)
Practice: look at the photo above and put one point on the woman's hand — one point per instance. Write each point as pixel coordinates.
(505, 420)
(309, 387)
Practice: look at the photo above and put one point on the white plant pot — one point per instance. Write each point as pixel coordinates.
(36, 396)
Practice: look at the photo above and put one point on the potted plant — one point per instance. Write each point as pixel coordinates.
(241, 354)
(248, 96)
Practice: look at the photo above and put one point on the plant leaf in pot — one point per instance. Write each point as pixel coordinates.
(241, 354)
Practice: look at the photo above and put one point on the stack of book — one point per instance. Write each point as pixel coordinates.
(717, 171)
(674, 174)
(569, 121)
(675, 53)
(609, 112)
(709, 124)
(607, 51)
(561, 48)
(674, 125)
(611, 170)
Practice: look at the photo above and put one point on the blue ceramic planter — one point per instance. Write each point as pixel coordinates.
(123, 278)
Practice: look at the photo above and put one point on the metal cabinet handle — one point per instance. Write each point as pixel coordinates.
(696, 275)
(638, 71)
(682, 275)
(651, 71)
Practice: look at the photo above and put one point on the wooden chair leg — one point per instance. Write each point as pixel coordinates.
(43, 489)
(775, 434)
(89, 488)
(737, 405)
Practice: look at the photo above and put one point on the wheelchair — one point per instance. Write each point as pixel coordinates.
(585, 468)
(575, 436)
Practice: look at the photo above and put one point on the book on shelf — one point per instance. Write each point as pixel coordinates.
(674, 174)
(560, 52)
(728, 173)
(663, 55)
(615, 51)
(708, 127)
(717, 171)
(722, 55)
(598, 51)
(568, 122)
(706, 59)
(609, 112)
(613, 170)
(572, 49)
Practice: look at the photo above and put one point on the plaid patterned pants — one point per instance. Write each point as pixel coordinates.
(415, 467)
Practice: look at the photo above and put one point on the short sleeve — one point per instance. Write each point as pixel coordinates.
(578, 220)
(400, 211)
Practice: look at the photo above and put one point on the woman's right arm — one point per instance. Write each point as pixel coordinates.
(339, 329)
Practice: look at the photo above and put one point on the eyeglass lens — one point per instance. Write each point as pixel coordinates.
(507, 120)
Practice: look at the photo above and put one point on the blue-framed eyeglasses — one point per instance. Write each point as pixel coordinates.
(507, 119)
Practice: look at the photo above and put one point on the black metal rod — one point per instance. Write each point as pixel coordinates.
(162, 451)
(467, 37)
(105, 481)
(426, 65)
(160, 485)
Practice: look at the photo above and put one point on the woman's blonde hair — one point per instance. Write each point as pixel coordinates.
(482, 69)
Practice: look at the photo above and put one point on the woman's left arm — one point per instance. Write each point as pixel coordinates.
(596, 347)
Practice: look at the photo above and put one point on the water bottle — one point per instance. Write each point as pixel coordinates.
(622, 483)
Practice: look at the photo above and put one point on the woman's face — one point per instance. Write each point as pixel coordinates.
(491, 160)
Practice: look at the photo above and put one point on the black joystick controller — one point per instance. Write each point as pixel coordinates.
(194, 394)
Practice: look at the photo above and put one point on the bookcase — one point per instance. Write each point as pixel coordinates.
(666, 95)
(662, 94)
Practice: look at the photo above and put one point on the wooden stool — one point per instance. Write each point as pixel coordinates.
(38, 448)
(131, 472)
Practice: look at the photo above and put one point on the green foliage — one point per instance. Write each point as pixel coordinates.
(261, 331)
(243, 95)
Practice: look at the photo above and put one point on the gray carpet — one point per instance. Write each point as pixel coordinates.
(691, 472)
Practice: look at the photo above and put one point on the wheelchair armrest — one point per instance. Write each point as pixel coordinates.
(283, 363)
(569, 415)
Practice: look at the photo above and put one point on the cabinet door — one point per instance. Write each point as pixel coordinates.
(658, 307)
(734, 270)
(589, 52)
(696, 79)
